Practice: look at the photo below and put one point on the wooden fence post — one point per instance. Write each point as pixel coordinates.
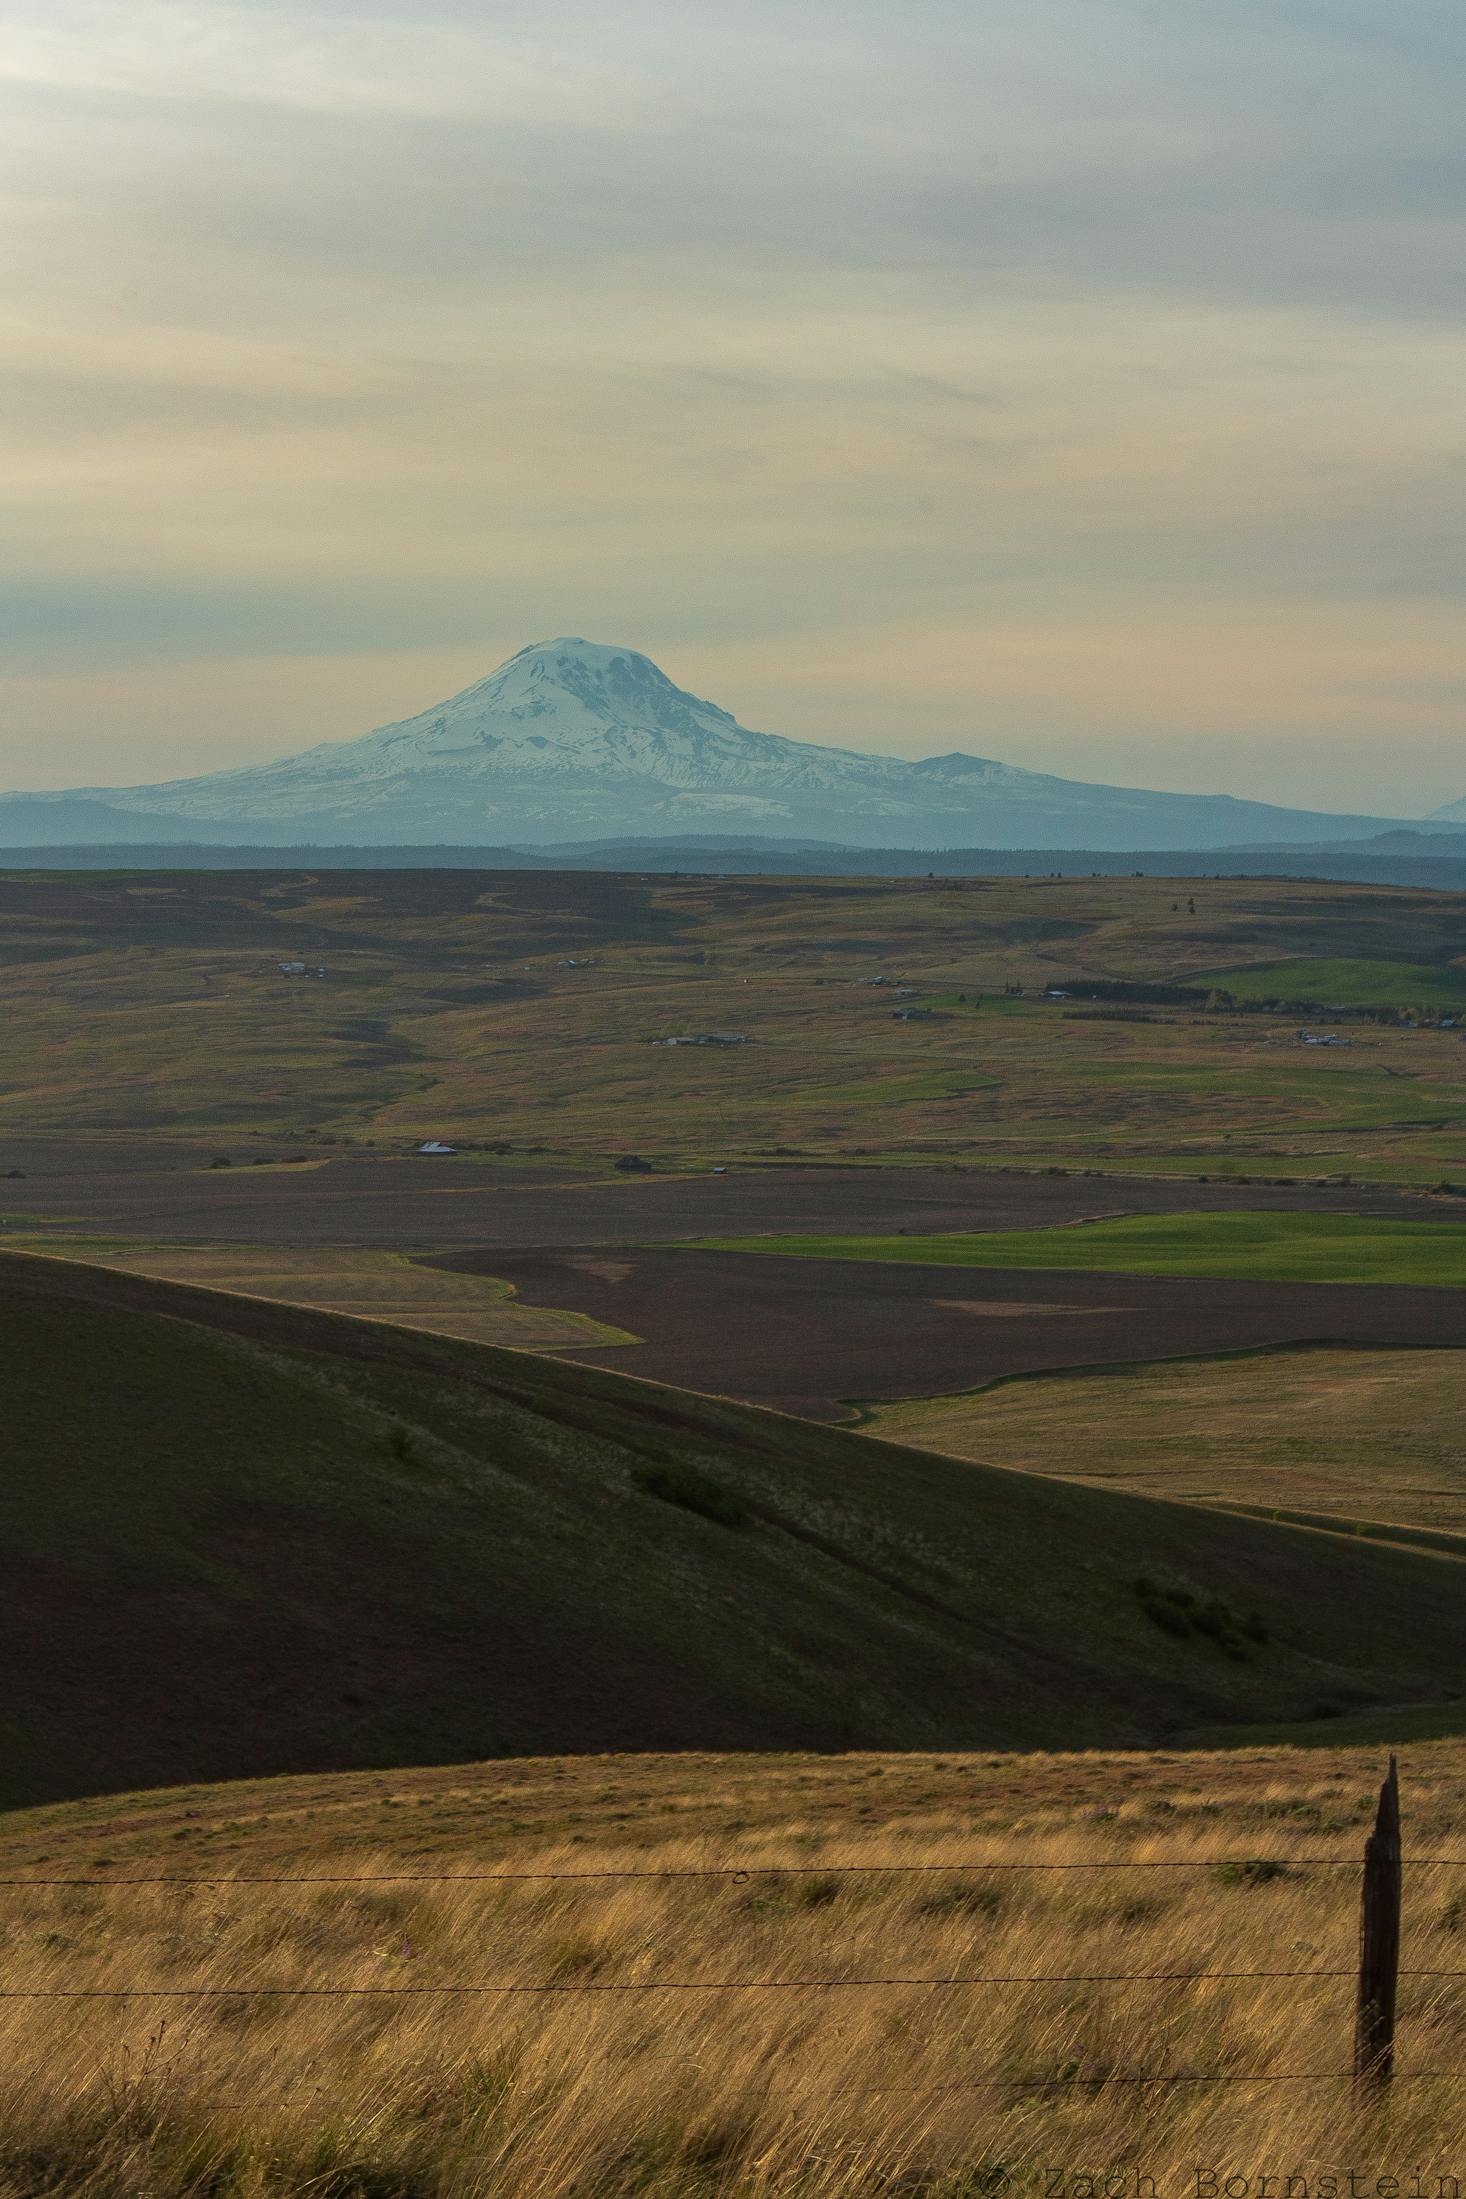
(1379, 1948)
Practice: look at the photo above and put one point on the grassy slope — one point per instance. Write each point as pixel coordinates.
(237, 1539)
(1276, 1248)
(1361, 1435)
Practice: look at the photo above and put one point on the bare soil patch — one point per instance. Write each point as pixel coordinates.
(994, 1309)
(809, 1336)
(142, 1188)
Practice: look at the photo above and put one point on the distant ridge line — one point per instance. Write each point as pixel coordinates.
(1433, 862)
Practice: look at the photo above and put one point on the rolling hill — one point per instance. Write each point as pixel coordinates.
(573, 739)
(240, 1539)
(514, 1011)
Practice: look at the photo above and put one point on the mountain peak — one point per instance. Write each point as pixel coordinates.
(576, 645)
(575, 695)
(571, 654)
(571, 651)
(571, 738)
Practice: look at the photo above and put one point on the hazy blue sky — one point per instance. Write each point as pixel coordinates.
(1077, 381)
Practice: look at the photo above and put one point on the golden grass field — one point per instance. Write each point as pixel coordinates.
(847, 2088)
(370, 1285)
(1368, 1435)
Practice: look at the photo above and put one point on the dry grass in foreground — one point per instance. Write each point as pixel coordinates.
(850, 2087)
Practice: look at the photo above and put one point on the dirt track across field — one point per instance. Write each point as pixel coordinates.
(807, 1336)
(110, 1188)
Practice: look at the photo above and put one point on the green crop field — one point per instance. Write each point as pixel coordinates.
(1278, 1248)
(1349, 984)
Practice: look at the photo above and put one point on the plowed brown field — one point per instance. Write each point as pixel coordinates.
(809, 1336)
(139, 1188)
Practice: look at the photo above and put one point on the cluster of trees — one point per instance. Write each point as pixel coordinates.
(1148, 993)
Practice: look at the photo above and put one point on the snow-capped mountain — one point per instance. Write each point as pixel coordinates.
(571, 739)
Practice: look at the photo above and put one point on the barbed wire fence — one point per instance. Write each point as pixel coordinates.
(1371, 2073)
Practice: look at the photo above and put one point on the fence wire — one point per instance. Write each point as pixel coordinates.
(745, 1874)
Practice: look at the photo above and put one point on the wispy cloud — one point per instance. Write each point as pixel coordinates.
(771, 337)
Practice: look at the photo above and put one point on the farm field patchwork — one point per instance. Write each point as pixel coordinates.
(518, 1012)
(1363, 1435)
(1277, 1248)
